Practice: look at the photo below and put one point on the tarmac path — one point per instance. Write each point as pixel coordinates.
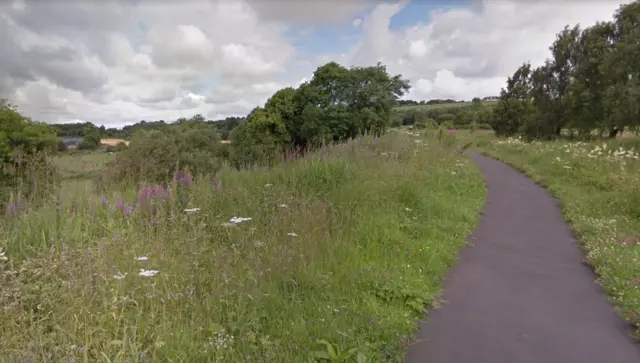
(521, 294)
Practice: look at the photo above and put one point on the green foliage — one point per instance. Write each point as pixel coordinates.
(463, 114)
(338, 104)
(91, 140)
(25, 167)
(155, 155)
(590, 85)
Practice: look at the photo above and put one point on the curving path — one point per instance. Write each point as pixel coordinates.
(521, 293)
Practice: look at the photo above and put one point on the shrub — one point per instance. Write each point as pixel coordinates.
(121, 146)
(25, 146)
(154, 156)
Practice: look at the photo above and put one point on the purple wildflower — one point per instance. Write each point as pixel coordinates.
(12, 208)
(186, 180)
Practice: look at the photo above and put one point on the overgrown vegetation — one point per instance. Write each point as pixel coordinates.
(599, 187)
(25, 168)
(590, 86)
(153, 156)
(331, 257)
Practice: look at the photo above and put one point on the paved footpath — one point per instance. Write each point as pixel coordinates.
(521, 293)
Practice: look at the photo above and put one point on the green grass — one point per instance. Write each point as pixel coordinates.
(440, 106)
(82, 165)
(599, 189)
(377, 225)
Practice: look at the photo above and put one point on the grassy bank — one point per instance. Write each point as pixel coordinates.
(343, 251)
(598, 185)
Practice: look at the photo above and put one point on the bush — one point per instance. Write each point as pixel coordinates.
(121, 146)
(153, 156)
(25, 167)
(87, 145)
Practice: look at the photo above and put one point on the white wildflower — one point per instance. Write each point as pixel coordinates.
(268, 185)
(292, 234)
(283, 206)
(239, 219)
(142, 258)
(192, 210)
(408, 209)
(258, 243)
(148, 273)
(220, 340)
(119, 276)
(2, 255)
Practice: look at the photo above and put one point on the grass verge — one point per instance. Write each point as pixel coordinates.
(598, 185)
(343, 251)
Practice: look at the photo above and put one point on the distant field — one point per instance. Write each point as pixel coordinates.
(113, 142)
(440, 105)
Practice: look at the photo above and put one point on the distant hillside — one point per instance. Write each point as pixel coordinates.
(439, 106)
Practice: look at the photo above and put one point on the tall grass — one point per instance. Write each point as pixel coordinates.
(343, 251)
(598, 184)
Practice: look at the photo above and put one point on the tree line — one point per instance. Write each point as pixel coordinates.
(474, 115)
(590, 86)
(224, 126)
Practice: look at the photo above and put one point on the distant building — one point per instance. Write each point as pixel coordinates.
(491, 98)
(72, 142)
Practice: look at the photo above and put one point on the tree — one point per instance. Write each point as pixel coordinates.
(91, 140)
(514, 106)
(337, 104)
(590, 83)
(24, 148)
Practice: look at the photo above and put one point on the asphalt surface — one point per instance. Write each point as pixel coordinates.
(521, 294)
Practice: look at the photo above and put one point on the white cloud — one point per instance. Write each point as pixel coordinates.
(113, 62)
(463, 53)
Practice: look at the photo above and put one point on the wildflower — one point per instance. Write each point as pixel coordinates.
(215, 183)
(452, 132)
(258, 243)
(12, 208)
(408, 209)
(148, 273)
(268, 185)
(220, 340)
(186, 180)
(103, 200)
(192, 210)
(292, 234)
(126, 211)
(283, 206)
(142, 258)
(2, 255)
(119, 276)
(239, 219)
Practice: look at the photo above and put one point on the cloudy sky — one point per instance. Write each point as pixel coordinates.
(121, 61)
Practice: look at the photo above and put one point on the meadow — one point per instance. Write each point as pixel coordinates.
(598, 186)
(331, 257)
